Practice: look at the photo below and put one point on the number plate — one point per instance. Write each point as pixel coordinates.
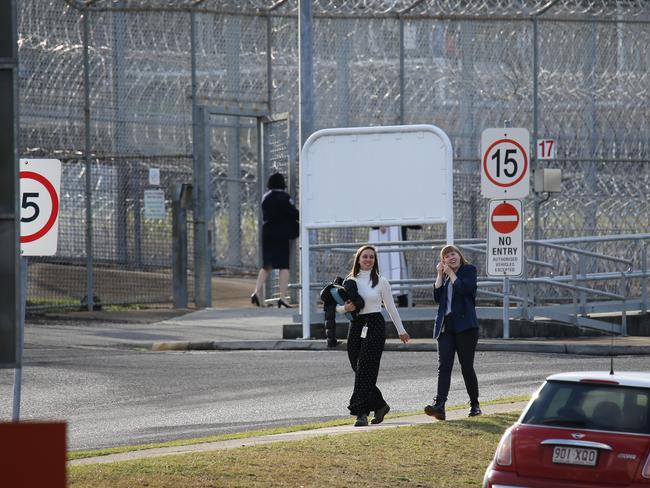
(575, 455)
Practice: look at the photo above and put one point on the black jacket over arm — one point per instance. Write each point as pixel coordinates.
(353, 294)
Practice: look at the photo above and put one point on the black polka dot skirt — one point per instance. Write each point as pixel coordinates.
(365, 356)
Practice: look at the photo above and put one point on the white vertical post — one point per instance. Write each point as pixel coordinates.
(305, 302)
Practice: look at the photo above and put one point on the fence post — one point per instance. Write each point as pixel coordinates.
(293, 191)
(90, 293)
(402, 80)
(583, 294)
(233, 139)
(11, 264)
(306, 62)
(644, 284)
(125, 180)
(574, 273)
(181, 199)
(533, 156)
(202, 214)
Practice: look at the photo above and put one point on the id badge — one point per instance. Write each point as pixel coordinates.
(364, 332)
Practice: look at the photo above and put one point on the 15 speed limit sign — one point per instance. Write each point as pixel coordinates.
(505, 168)
(39, 206)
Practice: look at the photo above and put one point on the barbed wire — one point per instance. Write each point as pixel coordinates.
(595, 9)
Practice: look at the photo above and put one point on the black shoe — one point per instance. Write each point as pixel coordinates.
(475, 411)
(282, 303)
(380, 414)
(437, 410)
(333, 343)
(255, 300)
(362, 420)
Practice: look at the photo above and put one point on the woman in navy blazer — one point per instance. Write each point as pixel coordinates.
(456, 327)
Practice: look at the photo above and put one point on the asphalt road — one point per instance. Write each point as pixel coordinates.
(111, 395)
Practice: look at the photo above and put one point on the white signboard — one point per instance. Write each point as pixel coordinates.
(154, 176)
(154, 204)
(546, 149)
(373, 176)
(40, 184)
(505, 245)
(505, 168)
(376, 176)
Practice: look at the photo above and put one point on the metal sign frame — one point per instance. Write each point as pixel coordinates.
(411, 164)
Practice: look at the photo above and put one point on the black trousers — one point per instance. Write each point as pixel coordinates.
(365, 356)
(464, 345)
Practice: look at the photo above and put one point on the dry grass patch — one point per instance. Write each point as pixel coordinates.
(441, 454)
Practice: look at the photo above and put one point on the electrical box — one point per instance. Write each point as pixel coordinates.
(548, 180)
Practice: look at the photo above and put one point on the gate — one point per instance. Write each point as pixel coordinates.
(236, 151)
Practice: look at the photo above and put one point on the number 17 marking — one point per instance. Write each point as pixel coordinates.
(546, 149)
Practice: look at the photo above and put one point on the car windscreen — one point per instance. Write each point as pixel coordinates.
(598, 406)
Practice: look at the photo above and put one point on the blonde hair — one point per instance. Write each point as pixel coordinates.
(451, 248)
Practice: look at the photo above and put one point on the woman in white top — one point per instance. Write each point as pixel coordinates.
(367, 335)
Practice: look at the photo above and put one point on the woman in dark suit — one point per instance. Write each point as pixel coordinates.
(280, 226)
(456, 327)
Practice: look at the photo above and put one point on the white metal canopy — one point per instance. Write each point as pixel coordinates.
(373, 176)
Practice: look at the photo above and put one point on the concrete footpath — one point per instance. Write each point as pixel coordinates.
(402, 421)
(237, 329)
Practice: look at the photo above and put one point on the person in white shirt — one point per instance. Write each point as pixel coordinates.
(367, 336)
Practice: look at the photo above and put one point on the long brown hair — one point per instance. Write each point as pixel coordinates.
(374, 272)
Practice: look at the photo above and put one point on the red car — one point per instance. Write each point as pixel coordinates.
(580, 430)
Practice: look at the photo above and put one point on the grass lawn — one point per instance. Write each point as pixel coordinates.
(441, 454)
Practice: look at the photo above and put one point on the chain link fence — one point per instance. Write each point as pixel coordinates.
(574, 71)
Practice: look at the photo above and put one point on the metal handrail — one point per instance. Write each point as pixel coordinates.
(580, 293)
(423, 243)
(586, 253)
(478, 245)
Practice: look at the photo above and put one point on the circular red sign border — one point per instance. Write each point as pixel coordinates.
(487, 173)
(55, 206)
(516, 212)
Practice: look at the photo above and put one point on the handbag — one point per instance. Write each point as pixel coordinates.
(294, 229)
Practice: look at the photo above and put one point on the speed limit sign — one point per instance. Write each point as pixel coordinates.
(505, 167)
(39, 206)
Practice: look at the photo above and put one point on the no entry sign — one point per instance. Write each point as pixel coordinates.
(505, 168)
(505, 245)
(39, 206)
(505, 218)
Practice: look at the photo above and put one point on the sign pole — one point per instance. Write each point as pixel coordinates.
(18, 371)
(506, 308)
